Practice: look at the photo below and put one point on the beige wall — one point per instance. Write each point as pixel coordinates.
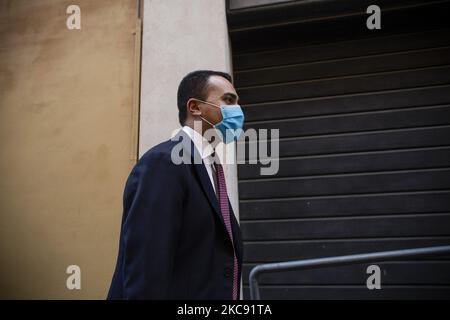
(179, 36)
(68, 102)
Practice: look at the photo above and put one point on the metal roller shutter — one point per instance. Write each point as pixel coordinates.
(364, 119)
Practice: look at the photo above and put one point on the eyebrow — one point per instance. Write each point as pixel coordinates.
(230, 95)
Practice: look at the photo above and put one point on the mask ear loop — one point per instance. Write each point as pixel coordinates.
(207, 121)
(212, 104)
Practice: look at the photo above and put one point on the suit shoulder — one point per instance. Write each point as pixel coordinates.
(160, 152)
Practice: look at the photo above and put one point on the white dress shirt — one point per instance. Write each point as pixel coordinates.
(205, 149)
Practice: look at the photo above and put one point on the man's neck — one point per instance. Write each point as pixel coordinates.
(214, 142)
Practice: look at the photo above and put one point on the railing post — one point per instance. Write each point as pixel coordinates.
(253, 282)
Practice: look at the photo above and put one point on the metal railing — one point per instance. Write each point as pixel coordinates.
(338, 261)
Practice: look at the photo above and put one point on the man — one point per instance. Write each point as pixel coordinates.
(179, 236)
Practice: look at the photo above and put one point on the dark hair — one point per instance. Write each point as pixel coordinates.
(195, 85)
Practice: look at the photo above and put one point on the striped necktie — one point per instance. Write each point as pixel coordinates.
(225, 210)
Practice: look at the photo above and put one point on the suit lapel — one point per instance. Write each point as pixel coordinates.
(205, 182)
(202, 174)
(207, 188)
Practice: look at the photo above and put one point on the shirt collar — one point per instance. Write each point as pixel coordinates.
(204, 148)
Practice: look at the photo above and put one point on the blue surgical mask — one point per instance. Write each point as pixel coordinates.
(232, 121)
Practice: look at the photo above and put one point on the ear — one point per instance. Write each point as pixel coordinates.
(193, 108)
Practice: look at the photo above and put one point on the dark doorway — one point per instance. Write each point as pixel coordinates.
(364, 119)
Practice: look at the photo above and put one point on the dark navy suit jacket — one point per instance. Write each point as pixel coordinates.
(173, 241)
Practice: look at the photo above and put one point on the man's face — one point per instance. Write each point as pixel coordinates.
(220, 92)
